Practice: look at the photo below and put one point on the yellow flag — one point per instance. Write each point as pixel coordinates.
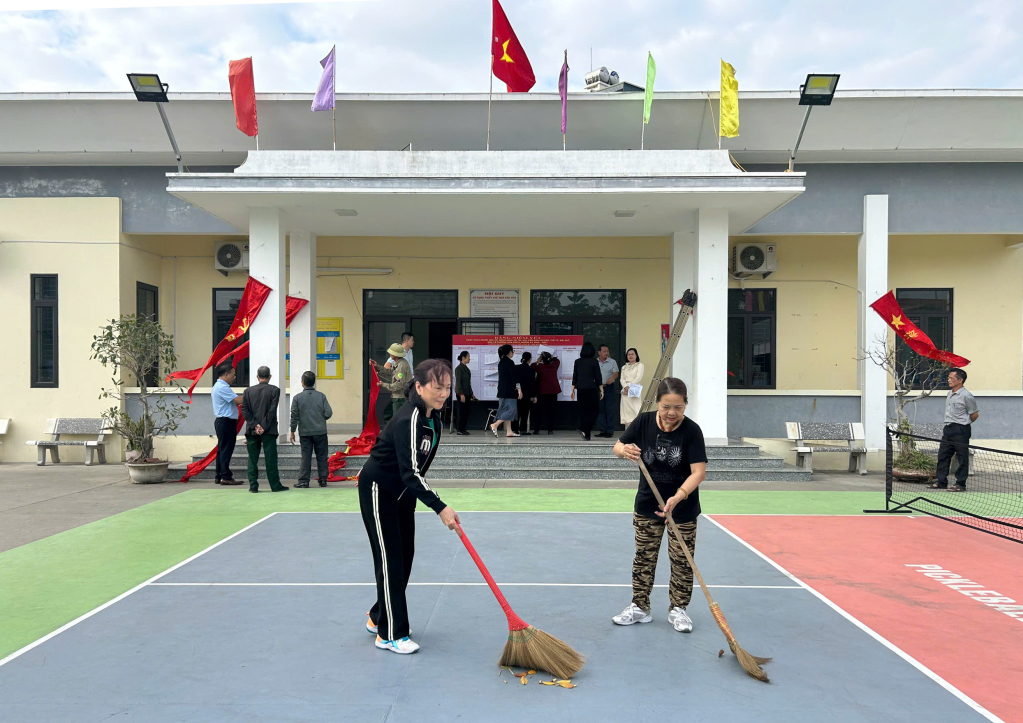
(728, 108)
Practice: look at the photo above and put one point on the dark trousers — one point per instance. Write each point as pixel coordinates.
(461, 414)
(391, 526)
(311, 443)
(954, 441)
(589, 401)
(227, 434)
(525, 406)
(607, 411)
(268, 443)
(545, 411)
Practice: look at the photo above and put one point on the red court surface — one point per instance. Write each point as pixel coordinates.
(962, 628)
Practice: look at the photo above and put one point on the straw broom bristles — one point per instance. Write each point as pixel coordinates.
(528, 647)
(750, 663)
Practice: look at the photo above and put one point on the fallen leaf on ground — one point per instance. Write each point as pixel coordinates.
(520, 675)
(566, 684)
(720, 653)
(524, 680)
(531, 672)
(548, 682)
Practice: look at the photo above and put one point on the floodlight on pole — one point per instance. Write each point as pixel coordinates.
(149, 89)
(819, 89)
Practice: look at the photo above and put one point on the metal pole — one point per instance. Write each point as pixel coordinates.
(792, 158)
(170, 134)
(333, 120)
(642, 133)
(490, 99)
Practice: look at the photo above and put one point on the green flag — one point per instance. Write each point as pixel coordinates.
(651, 71)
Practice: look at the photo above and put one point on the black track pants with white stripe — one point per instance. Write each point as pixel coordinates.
(391, 526)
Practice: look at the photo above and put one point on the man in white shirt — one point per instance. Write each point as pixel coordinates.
(961, 411)
(225, 408)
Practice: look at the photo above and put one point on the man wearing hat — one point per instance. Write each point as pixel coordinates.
(394, 376)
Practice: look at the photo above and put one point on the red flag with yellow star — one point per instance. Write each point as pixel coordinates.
(889, 310)
(509, 59)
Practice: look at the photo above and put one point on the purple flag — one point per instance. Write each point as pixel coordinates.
(563, 92)
(324, 99)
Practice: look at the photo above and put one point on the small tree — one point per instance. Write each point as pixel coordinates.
(136, 347)
(915, 377)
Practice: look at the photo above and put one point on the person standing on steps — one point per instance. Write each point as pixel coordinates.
(525, 375)
(961, 411)
(672, 447)
(463, 393)
(632, 375)
(390, 484)
(395, 376)
(508, 392)
(607, 415)
(310, 411)
(587, 382)
(225, 407)
(549, 388)
(259, 407)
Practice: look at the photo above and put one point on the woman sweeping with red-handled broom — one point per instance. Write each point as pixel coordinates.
(673, 449)
(392, 480)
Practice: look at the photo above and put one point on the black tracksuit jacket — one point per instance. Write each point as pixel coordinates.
(402, 455)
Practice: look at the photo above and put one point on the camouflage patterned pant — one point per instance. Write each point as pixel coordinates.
(648, 545)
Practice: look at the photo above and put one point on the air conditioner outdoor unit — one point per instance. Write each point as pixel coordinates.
(231, 256)
(749, 259)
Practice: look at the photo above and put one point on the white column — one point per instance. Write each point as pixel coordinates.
(302, 283)
(873, 283)
(709, 390)
(683, 276)
(266, 335)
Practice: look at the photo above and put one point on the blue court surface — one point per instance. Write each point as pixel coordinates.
(268, 625)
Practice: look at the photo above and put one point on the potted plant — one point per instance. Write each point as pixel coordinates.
(915, 377)
(135, 348)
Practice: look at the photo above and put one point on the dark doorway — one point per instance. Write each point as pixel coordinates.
(225, 306)
(147, 306)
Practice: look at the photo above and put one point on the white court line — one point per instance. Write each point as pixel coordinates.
(876, 636)
(451, 584)
(123, 595)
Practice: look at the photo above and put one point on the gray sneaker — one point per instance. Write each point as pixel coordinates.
(631, 615)
(680, 621)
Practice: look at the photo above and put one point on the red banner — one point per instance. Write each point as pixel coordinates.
(362, 444)
(889, 310)
(243, 95)
(510, 63)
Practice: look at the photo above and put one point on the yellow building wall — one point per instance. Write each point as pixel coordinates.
(986, 280)
(817, 301)
(816, 313)
(77, 239)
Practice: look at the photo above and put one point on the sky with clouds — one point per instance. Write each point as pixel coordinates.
(443, 45)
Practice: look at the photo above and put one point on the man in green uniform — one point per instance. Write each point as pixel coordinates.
(395, 375)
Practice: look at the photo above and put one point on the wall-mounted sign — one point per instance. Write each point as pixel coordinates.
(329, 353)
(501, 303)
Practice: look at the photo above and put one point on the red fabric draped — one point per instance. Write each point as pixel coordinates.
(362, 444)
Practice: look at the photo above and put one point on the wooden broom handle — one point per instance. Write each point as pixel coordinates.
(678, 533)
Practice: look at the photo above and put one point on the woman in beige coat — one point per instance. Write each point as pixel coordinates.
(632, 373)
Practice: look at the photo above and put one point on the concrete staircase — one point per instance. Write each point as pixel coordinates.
(539, 458)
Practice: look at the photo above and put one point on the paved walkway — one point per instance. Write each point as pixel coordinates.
(36, 502)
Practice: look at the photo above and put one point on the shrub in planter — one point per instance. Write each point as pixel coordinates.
(137, 347)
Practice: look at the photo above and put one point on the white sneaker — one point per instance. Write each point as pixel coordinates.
(680, 621)
(405, 646)
(632, 614)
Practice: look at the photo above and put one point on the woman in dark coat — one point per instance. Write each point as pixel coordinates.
(463, 392)
(549, 387)
(508, 392)
(525, 375)
(588, 382)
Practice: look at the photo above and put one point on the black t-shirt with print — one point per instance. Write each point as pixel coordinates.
(668, 456)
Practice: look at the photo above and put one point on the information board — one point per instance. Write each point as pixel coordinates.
(483, 358)
(499, 303)
(329, 354)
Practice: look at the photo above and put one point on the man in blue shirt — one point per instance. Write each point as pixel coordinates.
(225, 409)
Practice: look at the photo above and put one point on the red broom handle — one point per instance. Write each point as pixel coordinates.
(514, 621)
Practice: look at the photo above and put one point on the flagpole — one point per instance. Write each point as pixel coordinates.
(333, 121)
(257, 141)
(641, 135)
(490, 99)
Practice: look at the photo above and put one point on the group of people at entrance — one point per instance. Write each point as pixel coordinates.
(528, 392)
(394, 480)
(258, 405)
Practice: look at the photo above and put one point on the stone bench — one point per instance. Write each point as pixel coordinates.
(75, 426)
(802, 433)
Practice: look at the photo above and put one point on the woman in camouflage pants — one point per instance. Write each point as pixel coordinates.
(673, 450)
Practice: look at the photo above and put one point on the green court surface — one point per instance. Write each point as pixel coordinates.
(48, 583)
